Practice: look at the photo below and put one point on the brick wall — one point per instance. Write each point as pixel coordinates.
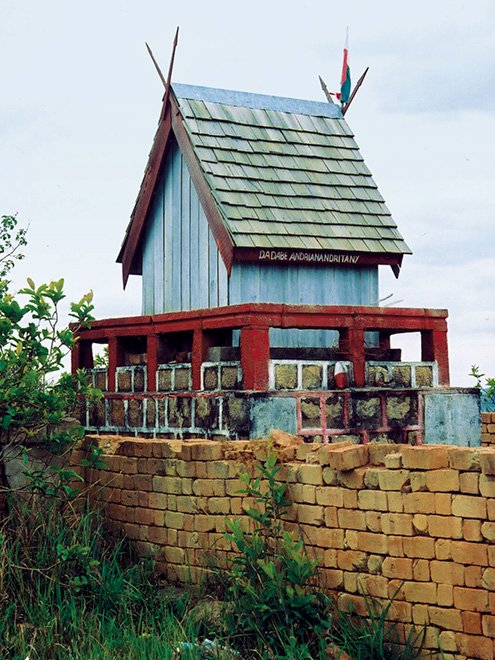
(374, 515)
(488, 429)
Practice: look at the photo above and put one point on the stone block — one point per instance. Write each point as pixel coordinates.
(334, 411)
(471, 530)
(310, 514)
(401, 375)
(487, 486)
(351, 519)
(182, 379)
(124, 381)
(402, 410)
(135, 413)
(474, 646)
(488, 579)
(229, 378)
(445, 527)
(311, 413)
(398, 567)
(375, 543)
(116, 413)
(424, 375)
(366, 411)
(310, 474)
(236, 416)
(285, 376)
(179, 412)
(101, 380)
(164, 380)
(210, 378)
(312, 377)
(207, 450)
(488, 625)
(488, 531)
(150, 413)
(206, 413)
(419, 502)
(139, 379)
(487, 461)
(421, 547)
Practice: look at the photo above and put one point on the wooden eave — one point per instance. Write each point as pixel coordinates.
(171, 122)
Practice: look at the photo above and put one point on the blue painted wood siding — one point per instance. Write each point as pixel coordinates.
(182, 268)
(309, 285)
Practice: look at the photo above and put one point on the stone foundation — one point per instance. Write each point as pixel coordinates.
(413, 416)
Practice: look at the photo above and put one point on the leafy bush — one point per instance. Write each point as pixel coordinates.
(487, 390)
(271, 583)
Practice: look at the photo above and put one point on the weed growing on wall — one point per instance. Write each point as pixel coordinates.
(271, 580)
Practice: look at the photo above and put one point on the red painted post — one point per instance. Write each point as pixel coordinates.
(202, 341)
(82, 356)
(356, 350)
(434, 348)
(115, 359)
(151, 362)
(255, 355)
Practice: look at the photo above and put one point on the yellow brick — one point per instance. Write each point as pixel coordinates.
(443, 504)
(487, 485)
(446, 572)
(473, 600)
(348, 457)
(469, 483)
(472, 577)
(174, 520)
(395, 502)
(487, 531)
(330, 476)
(474, 646)
(351, 519)
(372, 500)
(419, 502)
(420, 615)
(352, 560)
(443, 480)
(310, 474)
(329, 496)
(464, 458)
(468, 506)
(395, 546)
(373, 521)
(419, 547)
(350, 499)
(375, 543)
(420, 592)
(445, 527)
(488, 581)
(310, 515)
(174, 555)
(206, 451)
(471, 530)
(429, 457)
(420, 523)
(488, 624)
(158, 501)
(353, 478)
(445, 596)
(446, 618)
(443, 549)
(204, 523)
(397, 567)
(421, 571)
(397, 523)
(418, 481)
(393, 479)
(332, 579)
(219, 505)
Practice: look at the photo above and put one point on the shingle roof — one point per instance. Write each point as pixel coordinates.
(286, 173)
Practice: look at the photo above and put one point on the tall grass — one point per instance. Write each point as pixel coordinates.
(66, 593)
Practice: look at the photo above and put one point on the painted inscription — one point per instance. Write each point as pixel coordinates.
(317, 257)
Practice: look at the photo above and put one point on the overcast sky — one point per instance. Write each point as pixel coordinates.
(80, 101)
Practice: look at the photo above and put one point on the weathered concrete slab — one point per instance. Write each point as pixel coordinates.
(452, 417)
(273, 413)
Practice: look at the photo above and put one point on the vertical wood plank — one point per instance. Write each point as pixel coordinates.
(185, 282)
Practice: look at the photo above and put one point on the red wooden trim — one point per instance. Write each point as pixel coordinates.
(138, 219)
(255, 355)
(295, 258)
(151, 362)
(215, 221)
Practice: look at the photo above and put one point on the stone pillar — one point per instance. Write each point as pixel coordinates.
(255, 355)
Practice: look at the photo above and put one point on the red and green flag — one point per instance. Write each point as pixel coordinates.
(345, 83)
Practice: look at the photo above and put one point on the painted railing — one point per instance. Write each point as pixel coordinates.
(254, 321)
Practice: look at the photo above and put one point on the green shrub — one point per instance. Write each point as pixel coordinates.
(271, 581)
